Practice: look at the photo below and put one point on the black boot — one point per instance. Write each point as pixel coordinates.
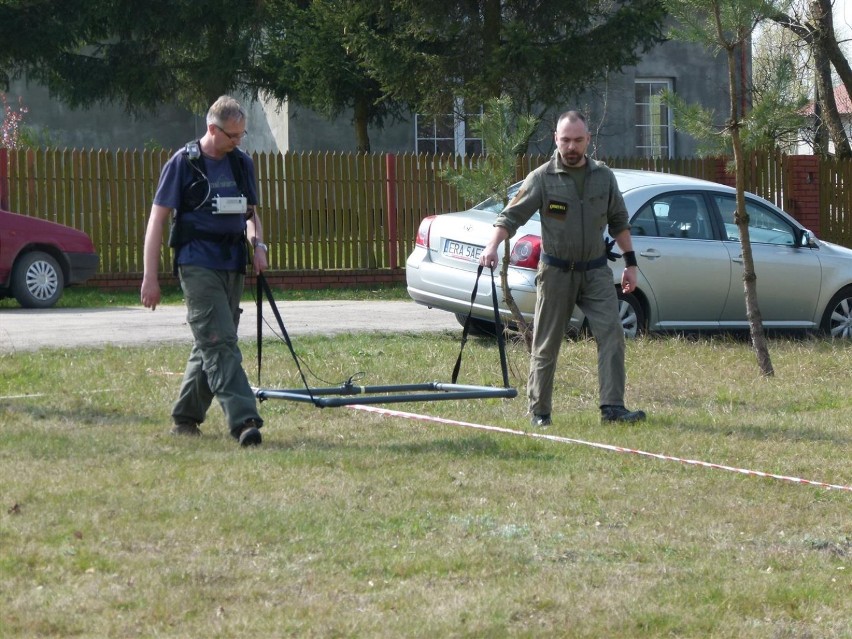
(621, 414)
(249, 434)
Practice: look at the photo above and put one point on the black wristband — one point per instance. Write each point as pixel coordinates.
(630, 258)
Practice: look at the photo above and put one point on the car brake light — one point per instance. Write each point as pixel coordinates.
(423, 231)
(526, 252)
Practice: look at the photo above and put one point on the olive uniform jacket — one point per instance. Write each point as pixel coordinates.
(572, 228)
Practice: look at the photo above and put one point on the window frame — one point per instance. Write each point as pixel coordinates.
(665, 131)
(705, 229)
(769, 236)
(457, 121)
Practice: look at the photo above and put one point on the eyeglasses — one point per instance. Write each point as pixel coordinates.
(235, 137)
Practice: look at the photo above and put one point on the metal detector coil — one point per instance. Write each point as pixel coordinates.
(349, 393)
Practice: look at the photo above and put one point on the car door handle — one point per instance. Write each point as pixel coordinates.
(738, 260)
(650, 253)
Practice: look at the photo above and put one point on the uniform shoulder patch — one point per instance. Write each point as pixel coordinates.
(556, 208)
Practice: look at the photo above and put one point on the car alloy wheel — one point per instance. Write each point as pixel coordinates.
(631, 314)
(37, 280)
(837, 320)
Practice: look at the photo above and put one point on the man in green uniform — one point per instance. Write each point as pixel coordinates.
(578, 198)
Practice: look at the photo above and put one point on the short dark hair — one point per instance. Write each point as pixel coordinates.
(571, 116)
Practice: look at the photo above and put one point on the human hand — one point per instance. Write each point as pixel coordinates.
(629, 279)
(488, 257)
(150, 294)
(259, 260)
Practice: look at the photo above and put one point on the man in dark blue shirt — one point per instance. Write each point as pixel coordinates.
(210, 187)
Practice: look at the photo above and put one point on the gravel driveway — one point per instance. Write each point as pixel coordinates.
(29, 330)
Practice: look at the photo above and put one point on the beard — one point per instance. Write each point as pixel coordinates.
(572, 159)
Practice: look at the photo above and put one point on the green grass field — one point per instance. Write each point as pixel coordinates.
(353, 524)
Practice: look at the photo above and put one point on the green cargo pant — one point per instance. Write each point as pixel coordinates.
(557, 293)
(215, 365)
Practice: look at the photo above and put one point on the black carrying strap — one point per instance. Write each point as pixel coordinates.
(498, 324)
(238, 169)
(263, 287)
(182, 232)
(258, 296)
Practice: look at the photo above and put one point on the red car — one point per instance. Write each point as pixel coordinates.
(38, 259)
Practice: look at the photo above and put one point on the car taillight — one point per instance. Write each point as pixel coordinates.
(423, 231)
(526, 252)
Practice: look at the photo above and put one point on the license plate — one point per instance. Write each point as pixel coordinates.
(462, 251)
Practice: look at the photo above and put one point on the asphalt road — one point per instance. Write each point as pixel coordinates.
(29, 330)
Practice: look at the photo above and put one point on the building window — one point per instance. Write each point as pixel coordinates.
(654, 131)
(447, 134)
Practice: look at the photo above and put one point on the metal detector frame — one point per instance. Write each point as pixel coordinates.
(348, 393)
(438, 391)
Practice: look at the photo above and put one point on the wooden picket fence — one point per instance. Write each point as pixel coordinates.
(835, 197)
(319, 210)
(327, 211)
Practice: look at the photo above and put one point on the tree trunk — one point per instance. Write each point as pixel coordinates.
(828, 106)
(755, 322)
(820, 140)
(818, 34)
(832, 48)
(823, 33)
(491, 31)
(362, 135)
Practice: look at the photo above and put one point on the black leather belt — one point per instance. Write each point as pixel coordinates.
(567, 265)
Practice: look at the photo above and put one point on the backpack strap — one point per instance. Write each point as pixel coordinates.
(196, 195)
(238, 170)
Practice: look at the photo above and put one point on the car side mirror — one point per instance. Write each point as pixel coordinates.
(807, 239)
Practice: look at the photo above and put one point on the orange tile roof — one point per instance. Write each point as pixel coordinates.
(841, 97)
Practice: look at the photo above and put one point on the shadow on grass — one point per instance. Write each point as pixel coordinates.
(482, 446)
(76, 417)
(759, 433)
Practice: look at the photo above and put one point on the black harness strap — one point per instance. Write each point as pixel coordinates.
(263, 285)
(258, 296)
(263, 289)
(498, 324)
(195, 198)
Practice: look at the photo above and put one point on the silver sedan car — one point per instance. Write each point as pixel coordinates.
(690, 263)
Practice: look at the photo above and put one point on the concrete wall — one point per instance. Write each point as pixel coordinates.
(272, 127)
(310, 131)
(109, 127)
(104, 126)
(697, 78)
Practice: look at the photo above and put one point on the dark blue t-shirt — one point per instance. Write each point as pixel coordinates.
(176, 176)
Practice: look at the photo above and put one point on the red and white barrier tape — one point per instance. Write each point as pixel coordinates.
(618, 449)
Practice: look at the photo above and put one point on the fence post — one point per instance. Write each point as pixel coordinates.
(390, 208)
(803, 195)
(4, 179)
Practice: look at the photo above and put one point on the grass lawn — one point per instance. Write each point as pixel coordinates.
(353, 524)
